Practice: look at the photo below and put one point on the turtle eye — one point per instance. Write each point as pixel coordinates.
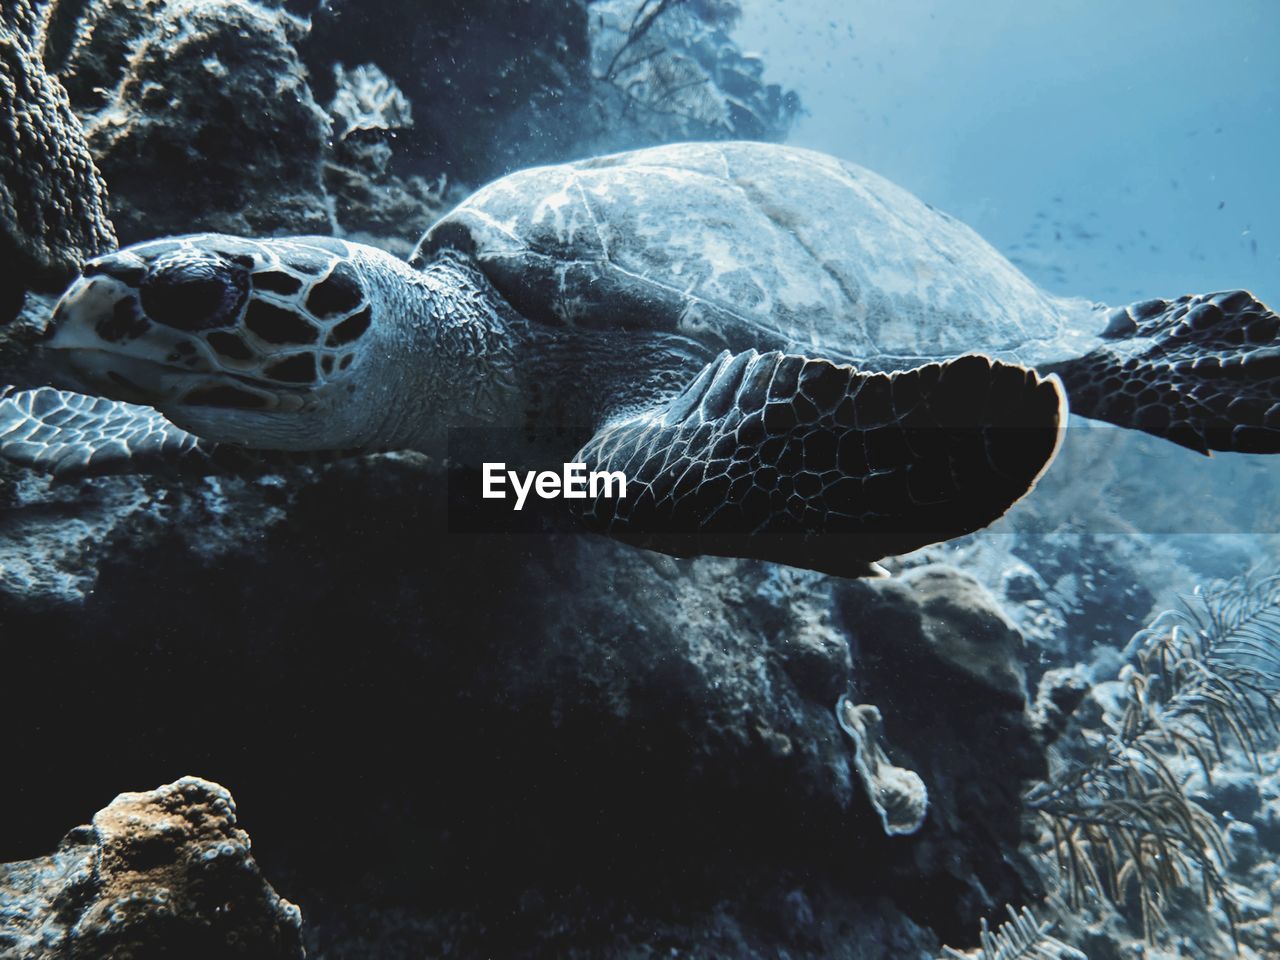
(194, 293)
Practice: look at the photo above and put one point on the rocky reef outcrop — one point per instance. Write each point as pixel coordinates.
(158, 874)
(234, 116)
(944, 664)
(200, 117)
(527, 746)
(558, 726)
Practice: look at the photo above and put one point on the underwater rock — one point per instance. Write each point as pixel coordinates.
(1232, 790)
(1059, 694)
(162, 873)
(961, 724)
(215, 88)
(1243, 848)
(367, 101)
(1071, 594)
(1268, 820)
(53, 202)
(95, 54)
(19, 339)
(962, 626)
(601, 715)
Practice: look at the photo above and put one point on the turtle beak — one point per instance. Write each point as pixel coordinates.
(89, 304)
(99, 334)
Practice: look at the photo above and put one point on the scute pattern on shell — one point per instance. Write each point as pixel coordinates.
(752, 245)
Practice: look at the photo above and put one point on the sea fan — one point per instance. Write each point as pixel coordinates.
(656, 65)
(1203, 678)
(1021, 937)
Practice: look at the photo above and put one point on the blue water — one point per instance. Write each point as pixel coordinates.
(1147, 133)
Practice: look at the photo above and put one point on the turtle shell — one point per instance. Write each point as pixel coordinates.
(749, 244)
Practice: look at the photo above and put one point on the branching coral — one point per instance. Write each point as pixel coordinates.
(367, 100)
(1204, 678)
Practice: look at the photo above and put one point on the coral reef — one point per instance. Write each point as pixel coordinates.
(202, 116)
(1155, 781)
(52, 199)
(211, 124)
(604, 718)
(624, 753)
(1122, 822)
(370, 201)
(552, 85)
(157, 874)
(910, 661)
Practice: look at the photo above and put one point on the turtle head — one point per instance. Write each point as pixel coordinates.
(256, 342)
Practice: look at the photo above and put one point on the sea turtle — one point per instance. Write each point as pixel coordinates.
(788, 356)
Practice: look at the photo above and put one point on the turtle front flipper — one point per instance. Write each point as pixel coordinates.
(70, 434)
(808, 463)
(1202, 371)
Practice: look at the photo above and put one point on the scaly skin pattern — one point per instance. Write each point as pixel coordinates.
(305, 343)
(1203, 371)
(762, 451)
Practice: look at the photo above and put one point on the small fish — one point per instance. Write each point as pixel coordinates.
(1221, 204)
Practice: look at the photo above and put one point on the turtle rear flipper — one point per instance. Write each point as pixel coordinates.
(812, 464)
(1202, 371)
(70, 434)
